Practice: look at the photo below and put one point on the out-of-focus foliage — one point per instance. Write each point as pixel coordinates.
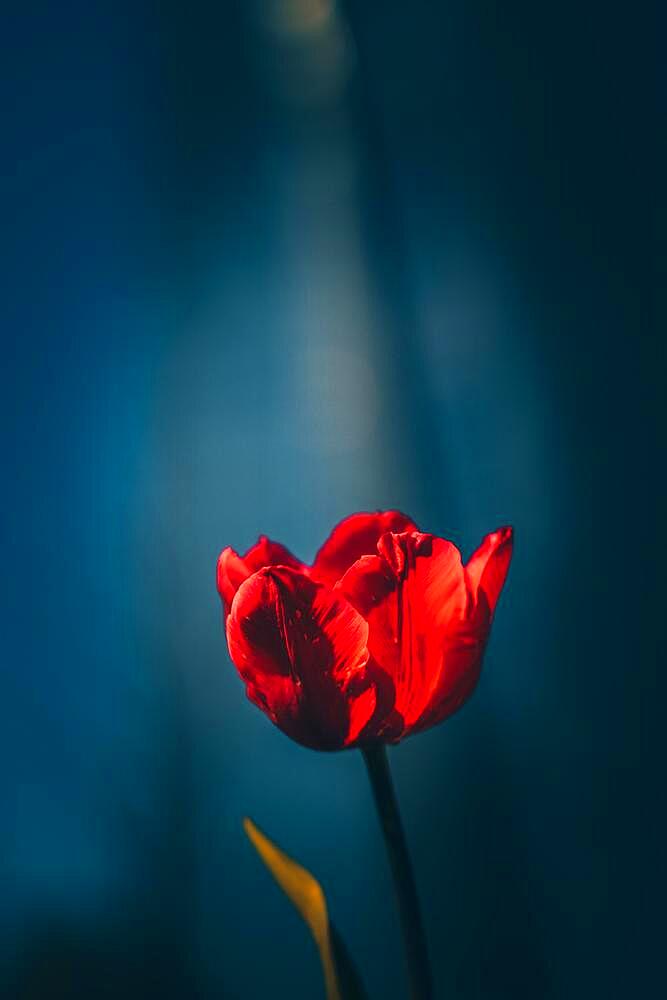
(341, 980)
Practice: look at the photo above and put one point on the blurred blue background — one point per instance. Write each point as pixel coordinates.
(268, 263)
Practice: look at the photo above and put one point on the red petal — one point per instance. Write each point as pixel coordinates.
(302, 651)
(487, 567)
(233, 569)
(354, 537)
(415, 598)
(230, 574)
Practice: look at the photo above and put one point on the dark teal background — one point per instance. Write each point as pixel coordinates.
(260, 272)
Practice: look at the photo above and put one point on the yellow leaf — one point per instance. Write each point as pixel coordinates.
(306, 894)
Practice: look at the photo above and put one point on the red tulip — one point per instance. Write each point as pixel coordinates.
(381, 637)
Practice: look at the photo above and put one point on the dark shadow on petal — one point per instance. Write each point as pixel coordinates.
(385, 724)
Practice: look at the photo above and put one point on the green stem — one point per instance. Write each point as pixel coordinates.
(419, 972)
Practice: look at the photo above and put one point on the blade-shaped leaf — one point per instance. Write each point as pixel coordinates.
(341, 979)
(349, 979)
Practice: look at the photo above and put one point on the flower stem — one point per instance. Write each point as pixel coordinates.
(419, 971)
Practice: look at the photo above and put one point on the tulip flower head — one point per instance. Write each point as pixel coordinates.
(383, 636)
